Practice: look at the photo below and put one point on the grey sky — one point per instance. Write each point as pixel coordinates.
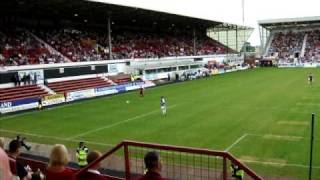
(230, 10)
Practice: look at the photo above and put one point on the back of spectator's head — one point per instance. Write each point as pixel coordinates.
(14, 146)
(152, 161)
(92, 156)
(2, 142)
(59, 156)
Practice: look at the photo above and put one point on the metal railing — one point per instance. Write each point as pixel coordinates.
(181, 163)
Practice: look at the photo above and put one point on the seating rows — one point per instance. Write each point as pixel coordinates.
(72, 85)
(18, 47)
(289, 45)
(19, 88)
(312, 51)
(15, 93)
(21, 47)
(286, 44)
(121, 79)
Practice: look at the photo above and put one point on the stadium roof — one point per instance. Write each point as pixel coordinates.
(128, 4)
(97, 11)
(290, 22)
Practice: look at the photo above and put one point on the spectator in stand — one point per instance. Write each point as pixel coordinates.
(25, 79)
(93, 173)
(312, 49)
(153, 165)
(24, 172)
(35, 78)
(57, 164)
(31, 78)
(28, 79)
(19, 47)
(286, 45)
(15, 81)
(1, 142)
(92, 156)
(5, 172)
(19, 79)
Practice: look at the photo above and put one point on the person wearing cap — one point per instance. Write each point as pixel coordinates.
(82, 152)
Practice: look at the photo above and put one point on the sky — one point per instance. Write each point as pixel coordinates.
(231, 10)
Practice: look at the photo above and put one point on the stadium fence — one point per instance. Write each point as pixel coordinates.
(181, 163)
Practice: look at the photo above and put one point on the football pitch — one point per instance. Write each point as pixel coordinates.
(261, 116)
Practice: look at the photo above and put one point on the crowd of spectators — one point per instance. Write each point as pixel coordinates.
(76, 45)
(286, 45)
(143, 45)
(84, 46)
(11, 168)
(19, 47)
(312, 50)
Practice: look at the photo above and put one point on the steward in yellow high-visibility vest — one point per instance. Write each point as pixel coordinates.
(237, 173)
(82, 153)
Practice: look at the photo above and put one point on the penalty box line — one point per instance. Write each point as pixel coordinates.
(236, 142)
(259, 135)
(268, 163)
(55, 138)
(118, 123)
(112, 145)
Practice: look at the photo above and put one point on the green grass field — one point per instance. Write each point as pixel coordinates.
(261, 116)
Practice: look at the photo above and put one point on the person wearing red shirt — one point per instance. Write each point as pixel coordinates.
(153, 165)
(57, 165)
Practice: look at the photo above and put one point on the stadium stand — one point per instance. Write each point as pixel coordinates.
(121, 78)
(21, 92)
(286, 44)
(143, 45)
(291, 40)
(19, 47)
(51, 40)
(84, 46)
(80, 84)
(312, 51)
(76, 45)
(289, 45)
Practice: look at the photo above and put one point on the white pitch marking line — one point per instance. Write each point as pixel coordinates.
(236, 142)
(56, 138)
(112, 145)
(277, 136)
(118, 123)
(277, 164)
